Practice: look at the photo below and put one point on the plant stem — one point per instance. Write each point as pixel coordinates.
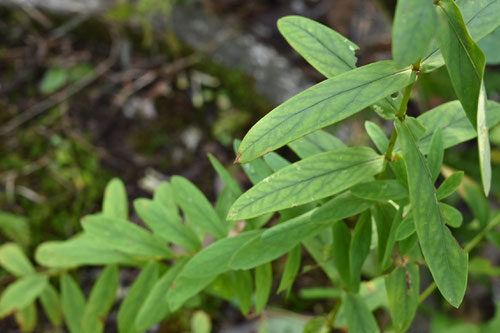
(330, 322)
(469, 247)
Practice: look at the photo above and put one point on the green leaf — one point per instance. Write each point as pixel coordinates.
(414, 25)
(359, 317)
(483, 142)
(326, 50)
(452, 215)
(53, 80)
(115, 202)
(275, 161)
(482, 266)
(464, 59)
(165, 197)
(136, 297)
(13, 259)
(377, 135)
(155, 305)
(51, 303)
(324, 104)
(490, 44)
(403, 287)
(292, 268)
(450, 185)
(197, 208)
(383, 214)
(340, 251)
(185, 288)
(481, 18)
(406, 228)
(15, 227)
(320, 293)
(126, 237)
(391, 239)
(263, 285)
(243, 283)
(477, 202)
(398, 168)
(215, 258)
(302, 182)
(315, 143)
(228, 180)
(21, 293)
(436, 154)
(255, 170)
(73, 303)
(359, 248)
(314, 221)
(27, 317)
(101, 299)
(453, 122)
(78, 251)
(166, 223)
(381, 190)
(446, 260)
(201, 323)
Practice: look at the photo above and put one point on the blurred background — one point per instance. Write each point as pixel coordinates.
(142, 90)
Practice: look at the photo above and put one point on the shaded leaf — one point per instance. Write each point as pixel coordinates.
(414, 26)
(15, 227)
(450, 185)
(359, 248)
(340, 251)
(228, 180)
(380, 190)
(446, 260)
(315, 143)
(436, 154)
(135, 298)
(73, 303)
(263, 285)
(358, 316)
(377, 135)
(27, 318)
(406, 228)
(243, 283)
(292, 267)
(452, 215)
(51, 303)
(403, 288)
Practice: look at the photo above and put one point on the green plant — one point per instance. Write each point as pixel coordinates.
(355, 211)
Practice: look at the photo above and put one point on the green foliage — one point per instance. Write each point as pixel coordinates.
(371, 221)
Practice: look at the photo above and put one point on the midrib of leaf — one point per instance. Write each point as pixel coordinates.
(461, 43)
(322, 44)
(289, 117)
(311, 179)
(466, 24)
(434, 196)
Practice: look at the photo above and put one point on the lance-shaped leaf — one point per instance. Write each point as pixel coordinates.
(359, 248)
(358, 316)
(450, 185)
(197, 208)
(263, 284)
(51, 303)
(446, 260)
(413, 30)
(243, 287)
(380, 190)
(166, 223)
(21, 293)
(452, 215)
(453, 122)
(481, 18)
(340, 251)
(292, 268)
(403, 287)
(13, 259)
(226, 177)
(326, 50)
(324, 104)
(315, 143)
(155, 305)
(73, 303)
(135, 298)
(275, 161)
(126, 237)
(303, 181)
(436, 155)
(115, 202)
(164, 196)
(377, 135)
(464, 59)
(27, 317)
(78, 251)
(483, 142)
(101, 299)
